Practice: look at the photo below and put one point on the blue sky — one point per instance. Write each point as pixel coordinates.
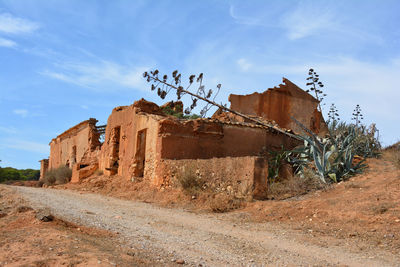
(66, 61)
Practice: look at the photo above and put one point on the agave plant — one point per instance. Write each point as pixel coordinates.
(333, 157)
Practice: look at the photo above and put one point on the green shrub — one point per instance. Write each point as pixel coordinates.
(180, 115)
(276, 159)
(61, 175)
(333, 156)
(366, 142)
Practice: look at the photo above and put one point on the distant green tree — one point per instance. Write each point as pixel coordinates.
(9, 173)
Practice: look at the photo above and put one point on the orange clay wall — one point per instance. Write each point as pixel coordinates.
(280, 104)
(197, 139)
(130, 120)
(81, 136)
(242, 177)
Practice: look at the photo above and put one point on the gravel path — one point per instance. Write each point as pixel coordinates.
(207, 239)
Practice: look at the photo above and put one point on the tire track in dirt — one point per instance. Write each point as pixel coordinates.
(207, 239)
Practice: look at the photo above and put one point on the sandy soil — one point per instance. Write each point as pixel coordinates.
(27, 241)
(352, 223)
(366, 207)
(169, 235)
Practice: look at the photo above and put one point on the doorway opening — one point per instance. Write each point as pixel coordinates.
(140, 156)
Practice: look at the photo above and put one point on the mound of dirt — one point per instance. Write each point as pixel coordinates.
(367, 207)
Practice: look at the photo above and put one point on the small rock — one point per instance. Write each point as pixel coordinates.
(2, 214)
(180, 261)
(193, 197)
(130, 253)
(44, 215)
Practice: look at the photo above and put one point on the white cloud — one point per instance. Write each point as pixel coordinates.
(84, 107)
(7, 43)
(306, 20)
(22, 112)
(96, 75)
(14, 25)
(26, 145)
(314, 18)
(242, 19)
(244, 65)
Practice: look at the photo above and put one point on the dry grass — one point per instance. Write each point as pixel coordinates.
(223, 202)
(392, 153)
(190, 182)
(295, 186)
(381, 208)
(98, 172)
(61, 175)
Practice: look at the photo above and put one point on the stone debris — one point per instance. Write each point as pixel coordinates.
(44, 215)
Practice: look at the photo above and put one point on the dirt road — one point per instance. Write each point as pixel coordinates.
(172, 235)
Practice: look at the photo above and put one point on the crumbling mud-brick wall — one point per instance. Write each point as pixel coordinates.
(130, 145)
(280, 104)
(205, 138)
(71, 146)
(241, 177)
(210, 139)
(44, 166)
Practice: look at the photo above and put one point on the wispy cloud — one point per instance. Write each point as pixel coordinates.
(7, 43)
(100, 74)
(243, 19)
(21, 112)
(8, 130)
(25, 145)
(307, 20)
(244, 65)
(15, 25)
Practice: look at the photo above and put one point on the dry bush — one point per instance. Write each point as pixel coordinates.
(392, 153)
(396, 159)
(381, 208)
(61, 175)
(223, 202)
(98, 172)
(190, 182)
(295, 185)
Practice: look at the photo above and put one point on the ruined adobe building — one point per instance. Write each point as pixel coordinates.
(281, 103)
(143, 143)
